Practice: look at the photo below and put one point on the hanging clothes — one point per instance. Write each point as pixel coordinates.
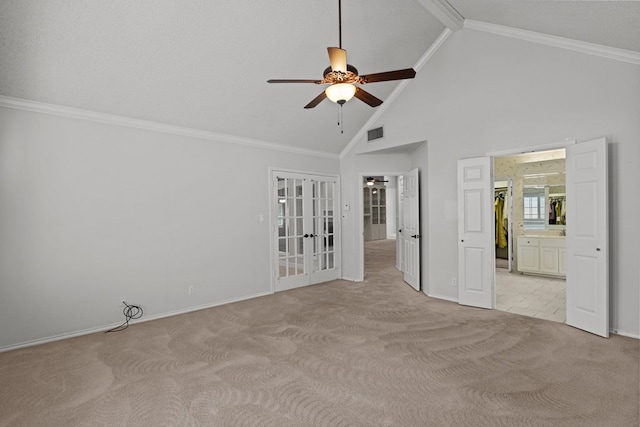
(505, 210)
(558, 211)
(501, 238)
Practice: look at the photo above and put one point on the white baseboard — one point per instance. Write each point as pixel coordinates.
(203, 307)
(446, 298)
(113, 325)
(624, 334)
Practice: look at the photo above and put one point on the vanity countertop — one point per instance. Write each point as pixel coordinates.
(543, 236)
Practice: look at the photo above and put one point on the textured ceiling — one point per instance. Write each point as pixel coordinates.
(204, 64)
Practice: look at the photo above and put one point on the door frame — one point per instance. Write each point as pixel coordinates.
(513, 152)
(360, 223)
(510, 244)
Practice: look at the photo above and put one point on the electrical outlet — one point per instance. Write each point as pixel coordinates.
(454, 281)
(191, 290)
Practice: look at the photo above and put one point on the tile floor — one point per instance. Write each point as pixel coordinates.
(532, 296)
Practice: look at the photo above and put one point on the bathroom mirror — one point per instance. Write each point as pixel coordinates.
(544, 201)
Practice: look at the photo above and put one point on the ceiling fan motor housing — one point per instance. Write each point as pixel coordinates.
(332, 77)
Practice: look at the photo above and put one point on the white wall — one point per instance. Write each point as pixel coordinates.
(92, 212)
(481, 93)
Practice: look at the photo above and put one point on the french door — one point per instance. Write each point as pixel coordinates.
(305, 229)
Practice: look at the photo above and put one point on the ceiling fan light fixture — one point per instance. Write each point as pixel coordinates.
(340, 92)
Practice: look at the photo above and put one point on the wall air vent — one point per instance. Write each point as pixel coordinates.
(374, 134)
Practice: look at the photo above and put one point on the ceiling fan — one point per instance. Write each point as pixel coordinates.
(343, 77)
(372, 181)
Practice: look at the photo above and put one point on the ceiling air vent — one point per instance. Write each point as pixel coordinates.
(374, 134)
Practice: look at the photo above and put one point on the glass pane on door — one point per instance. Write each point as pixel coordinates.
(324, 208)
(290, 227)
(366, 200)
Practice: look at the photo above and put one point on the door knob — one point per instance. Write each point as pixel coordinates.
(399, 231)
(416, 236)
(305, 235)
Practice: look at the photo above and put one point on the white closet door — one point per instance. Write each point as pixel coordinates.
(476, 233)
(587, 237)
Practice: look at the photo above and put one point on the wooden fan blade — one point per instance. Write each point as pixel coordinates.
(367, 98)
(317, 100)
(338, 59)
(293, 81)
(407, 73)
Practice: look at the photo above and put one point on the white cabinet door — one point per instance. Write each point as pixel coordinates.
(528, 255)
(562, 262)
(476, 233)
(549, 257)
(587, 237)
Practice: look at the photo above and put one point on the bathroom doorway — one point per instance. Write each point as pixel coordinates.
(530, 250)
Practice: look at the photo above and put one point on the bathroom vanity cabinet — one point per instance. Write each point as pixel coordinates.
(542, 255)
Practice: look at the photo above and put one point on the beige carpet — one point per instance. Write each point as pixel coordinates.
(376, 353)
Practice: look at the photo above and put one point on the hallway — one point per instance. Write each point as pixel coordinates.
(380, 260)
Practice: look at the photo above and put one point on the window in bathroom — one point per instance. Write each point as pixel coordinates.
(534, 204)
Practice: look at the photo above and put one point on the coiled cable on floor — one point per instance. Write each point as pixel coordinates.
(131, 312)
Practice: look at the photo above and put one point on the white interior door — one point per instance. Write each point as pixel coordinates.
(399, 223)
(587, 237)
(305, 229)
(476, 233)
(410, 228)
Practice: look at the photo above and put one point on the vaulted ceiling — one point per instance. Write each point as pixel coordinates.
(203, 64)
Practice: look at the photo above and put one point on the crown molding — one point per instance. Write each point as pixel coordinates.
(112, 119)
(444, 12)
(444, 35)
(556, 41)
